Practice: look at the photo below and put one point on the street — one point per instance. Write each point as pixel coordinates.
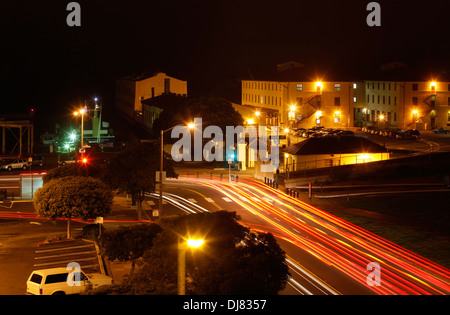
(337, 247)
(326, 255)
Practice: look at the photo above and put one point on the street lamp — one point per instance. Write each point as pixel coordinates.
(182, 245)
(81, 112)
(190, 126)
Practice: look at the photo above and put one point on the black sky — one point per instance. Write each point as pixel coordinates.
(51, 66)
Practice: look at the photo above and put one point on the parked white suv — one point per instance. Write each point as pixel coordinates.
(55, 281)
(15, 163)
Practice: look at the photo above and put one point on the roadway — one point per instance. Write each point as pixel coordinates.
(332, 251)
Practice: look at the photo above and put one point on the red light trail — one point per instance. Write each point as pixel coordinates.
(335, 241)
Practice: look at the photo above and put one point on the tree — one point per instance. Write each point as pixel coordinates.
(213, 111)
(128, 243)
(232, 260)
(73, 197)
(74, 169)
(133, 170)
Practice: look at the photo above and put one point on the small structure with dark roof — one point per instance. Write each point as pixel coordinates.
(332, 151)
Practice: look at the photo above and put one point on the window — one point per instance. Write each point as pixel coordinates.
(415, 87)
(262, 99)
(373, 99)
(354, 86)
(378, 99)
(415, 100)
(299, 101)
(36, 278)
(299, 87)
(389, 100)
(60, 277)
(384, 99)
(395, 116)
(337, 87)
(354, 99)
(368, 98)
(337, 101)
(337, 117)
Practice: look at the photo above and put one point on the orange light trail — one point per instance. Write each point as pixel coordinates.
(335, 241)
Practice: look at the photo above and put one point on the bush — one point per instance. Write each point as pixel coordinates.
(91, 231)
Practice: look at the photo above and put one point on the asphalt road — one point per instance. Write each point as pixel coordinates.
(19, 240)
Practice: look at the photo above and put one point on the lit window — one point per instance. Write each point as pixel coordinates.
(354, 86)
(299, 87)
(262, 99)
(337, 117)
(337, 87)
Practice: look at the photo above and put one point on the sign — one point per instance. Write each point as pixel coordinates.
(99, 220)
(82, 151)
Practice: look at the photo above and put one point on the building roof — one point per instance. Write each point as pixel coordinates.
(335, 145)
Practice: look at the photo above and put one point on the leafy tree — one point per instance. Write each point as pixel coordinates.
(213, 111)
(232, 260)
(73, 197)
(133, 170)
(128, 243)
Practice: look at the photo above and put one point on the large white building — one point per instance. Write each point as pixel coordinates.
(340, 104)
(303, 104)
(406, 104)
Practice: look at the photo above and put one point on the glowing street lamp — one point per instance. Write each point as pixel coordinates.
(182, 245)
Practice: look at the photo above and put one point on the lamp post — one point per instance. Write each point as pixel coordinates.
(161, 166)
(182, 245)
(81, 112)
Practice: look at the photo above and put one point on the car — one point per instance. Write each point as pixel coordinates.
(441, 130)
(394, 132)
(62, 281)
(368, 129)
(37, 160)
(68, 160)
(345, 133)
(15, 163)
(406, 135)
(413, 132)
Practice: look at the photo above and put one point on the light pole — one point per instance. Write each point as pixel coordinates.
(81, 112)
(161, 166)
(182, 244)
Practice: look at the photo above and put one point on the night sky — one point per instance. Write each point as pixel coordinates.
(211, 44)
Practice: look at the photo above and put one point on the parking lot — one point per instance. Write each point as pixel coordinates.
(60, 254)
(22, 251)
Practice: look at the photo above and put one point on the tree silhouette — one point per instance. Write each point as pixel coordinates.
(232, 260)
